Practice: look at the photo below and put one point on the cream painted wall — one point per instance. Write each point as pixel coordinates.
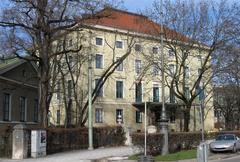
(108, 102)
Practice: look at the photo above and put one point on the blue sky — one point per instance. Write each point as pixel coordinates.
(136, 5)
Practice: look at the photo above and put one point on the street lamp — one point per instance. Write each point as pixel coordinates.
(90, 121)
(163, 117)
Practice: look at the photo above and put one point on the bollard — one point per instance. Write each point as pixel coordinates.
(202, 152)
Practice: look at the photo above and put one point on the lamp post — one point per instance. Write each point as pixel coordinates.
(145, 128)
(90, 122)
(163, 117)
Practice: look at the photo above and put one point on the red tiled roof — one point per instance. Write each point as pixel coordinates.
(124, 20)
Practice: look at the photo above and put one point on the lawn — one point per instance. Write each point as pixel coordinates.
(185, 154)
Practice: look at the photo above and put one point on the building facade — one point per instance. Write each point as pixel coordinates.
(135, 81)
(18, 93)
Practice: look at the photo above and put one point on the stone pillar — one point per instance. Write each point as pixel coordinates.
(19, 143)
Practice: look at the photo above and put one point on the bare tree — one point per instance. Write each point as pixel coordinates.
(75, 71)
(198, 30)
(227, 100)
(32, 26)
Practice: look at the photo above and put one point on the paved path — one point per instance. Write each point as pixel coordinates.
(98, 155)
(82, 155)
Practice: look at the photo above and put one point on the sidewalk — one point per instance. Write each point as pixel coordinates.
(82, 155)
(112, 154)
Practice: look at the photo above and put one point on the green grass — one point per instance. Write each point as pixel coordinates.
(185, 154)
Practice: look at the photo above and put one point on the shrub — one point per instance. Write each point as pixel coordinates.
(177, 140)
(64, 139)
(6, 142)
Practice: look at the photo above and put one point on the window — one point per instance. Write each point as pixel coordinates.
(100, 91)
(154, 50)
(60, 45)
(171, 95)
(138, 66)
(199, 71)
(70, 43)
(24, 73)
(120, 66)
(119, 89)
(172, 115)
(35, 113)
(58, 90)
(119, 44)
(138, 92)
(99, 41)
(119, 116)
(99, 61)
(6, 106)
(138, 48)
(156, 70)
(70, 86)
(58, 117)
(171, 53)
(98, 115)
(155, 93)
(171, 69)
(199, 58)
(187, 92)
(138, 116)
(23, 107)
(70, 61)
(186, 72)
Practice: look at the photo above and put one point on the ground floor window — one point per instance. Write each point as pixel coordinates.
(172, 115)
(119, 116)
(138, 116)
(58, 117)
(98, 115)
(6, 107)
(23, 109)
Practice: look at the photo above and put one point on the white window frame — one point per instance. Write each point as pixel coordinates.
(141, 48)
(170, 70)
(101, 37)
(121, 116)
(102, 88)
(102, 60)
(119, 41)
(102, 117)
(120, 64)
(10, 108)
(25, 108)
(135, 66)
(155, 84)
(156, 48)
(123, 95)
(170, 55)
(188, 72)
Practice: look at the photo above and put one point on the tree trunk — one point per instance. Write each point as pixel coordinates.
(186, 114)
(43, 105)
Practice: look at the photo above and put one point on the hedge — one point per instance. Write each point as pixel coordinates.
(177, 140)
(65, 139)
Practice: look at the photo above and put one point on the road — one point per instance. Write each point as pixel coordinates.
(232, 159)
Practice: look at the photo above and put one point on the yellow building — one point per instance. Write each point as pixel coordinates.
(136, 80)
